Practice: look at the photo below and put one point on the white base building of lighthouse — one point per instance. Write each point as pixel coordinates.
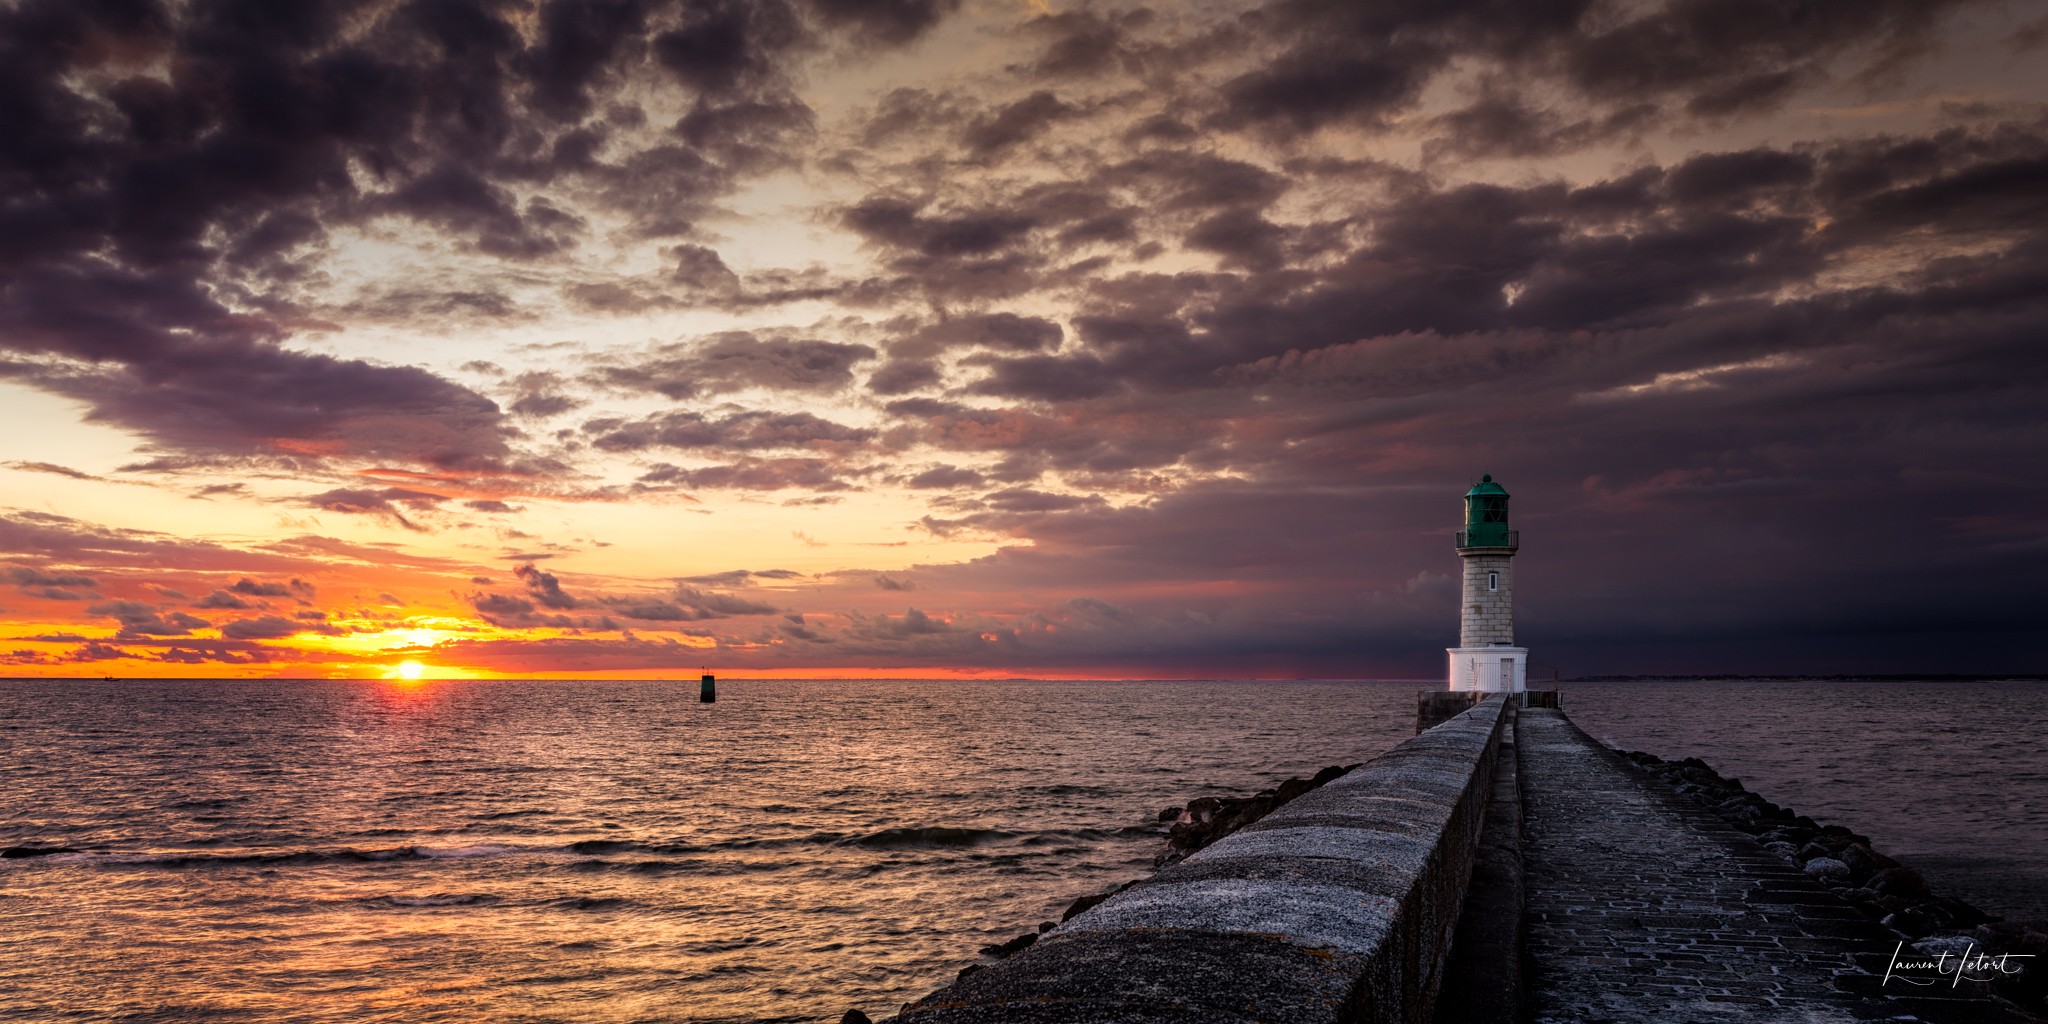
(1494, 668)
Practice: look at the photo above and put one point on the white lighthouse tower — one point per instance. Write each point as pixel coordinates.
(1486, 658)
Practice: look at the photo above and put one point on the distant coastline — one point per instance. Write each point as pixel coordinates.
(1895, 677)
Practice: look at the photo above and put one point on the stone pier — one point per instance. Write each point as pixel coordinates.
(1499, 868)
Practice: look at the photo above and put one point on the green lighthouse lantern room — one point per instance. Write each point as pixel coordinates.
(1486, 516)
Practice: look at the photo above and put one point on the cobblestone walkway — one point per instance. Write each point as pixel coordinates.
(1643, 908)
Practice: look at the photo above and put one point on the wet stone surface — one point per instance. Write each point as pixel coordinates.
(1641, 908)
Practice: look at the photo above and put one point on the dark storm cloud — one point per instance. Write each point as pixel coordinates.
(577, 45)
(740, 431)
(1014, 124)
(1045, 378)
(463, 202)
(1727, 340)
(894, 22)
(903, 224)
(111, 219)
(1003, 331)
(902, 376)
(1330, 63)
(1502, 123)
(739, 360)
(1324, 81)
(155, 227)
(1082, 43)
(975, 252)
(1149, 434)
(1641, 250)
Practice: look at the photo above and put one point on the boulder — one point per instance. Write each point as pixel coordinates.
(1827, 867)
(1960, 914)
(1905, 883)
(1012, 947)
(1953, 945)
(1910, 922)
(1865, 861)
(1083, 905)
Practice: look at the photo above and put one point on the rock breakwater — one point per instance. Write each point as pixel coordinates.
(1889, 892)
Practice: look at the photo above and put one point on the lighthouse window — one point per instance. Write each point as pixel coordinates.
(1493, 581)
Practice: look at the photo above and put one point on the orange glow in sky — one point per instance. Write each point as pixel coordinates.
(1010, 339)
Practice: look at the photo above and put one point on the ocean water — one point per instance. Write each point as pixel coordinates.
(614, 851)
(593, 851)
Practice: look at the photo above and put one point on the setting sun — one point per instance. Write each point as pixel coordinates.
(410, 669)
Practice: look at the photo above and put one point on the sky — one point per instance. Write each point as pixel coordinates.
(1018, 337)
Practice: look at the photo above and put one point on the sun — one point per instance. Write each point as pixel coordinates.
(410, 669)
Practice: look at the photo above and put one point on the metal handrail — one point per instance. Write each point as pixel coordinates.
(1514, 540)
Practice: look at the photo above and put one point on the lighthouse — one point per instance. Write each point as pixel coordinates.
(1486, 658)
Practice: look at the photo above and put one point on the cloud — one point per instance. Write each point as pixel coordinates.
(1125, 307)
(25, 577)
(740, 431)
(545, 589)
(271, 588)
(545, 599)
(53, 469)
(688, 604)
(139, 620)
(738, 360)
(741, 577)
(1014, 124)
(755, 474)
(385, 502)
(267, 627)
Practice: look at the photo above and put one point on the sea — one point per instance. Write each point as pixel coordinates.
(600, 851)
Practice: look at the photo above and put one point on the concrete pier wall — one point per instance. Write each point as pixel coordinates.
(1337, 907)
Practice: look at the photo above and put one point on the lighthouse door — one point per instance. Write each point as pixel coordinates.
(1507, 675)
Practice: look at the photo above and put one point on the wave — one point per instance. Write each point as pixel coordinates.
(931, 836)
(902, 837)
(336, 855)
(590, 902)
(21, 852)
(440, 899)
